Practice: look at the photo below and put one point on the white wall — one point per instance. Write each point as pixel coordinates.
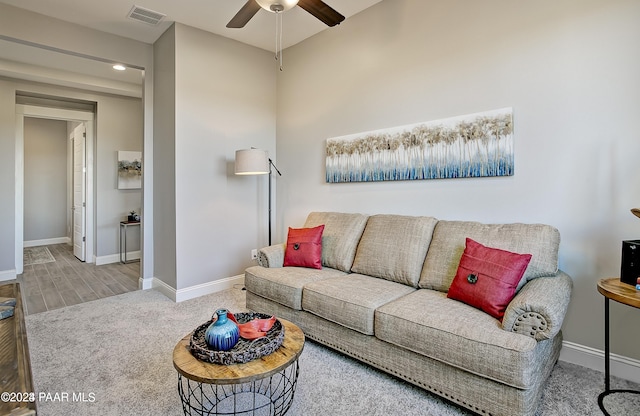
(45, 179)
(568, 68)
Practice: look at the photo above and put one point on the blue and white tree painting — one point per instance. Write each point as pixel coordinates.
(475, 145)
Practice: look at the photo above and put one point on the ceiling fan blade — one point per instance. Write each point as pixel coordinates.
(322, 11)
(245, 14)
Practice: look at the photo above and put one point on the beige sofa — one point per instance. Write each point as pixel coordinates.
(381, 297)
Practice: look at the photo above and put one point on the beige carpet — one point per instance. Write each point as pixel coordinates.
(114, 356)
(37, 255)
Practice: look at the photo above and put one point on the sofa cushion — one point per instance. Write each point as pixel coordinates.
(284, 284)
(429, 323)
(351, 300)
(340, 237)
(304, 247)
(487, 277)
(393, 247)
(447, 245)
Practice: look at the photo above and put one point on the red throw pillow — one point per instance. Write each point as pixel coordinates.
(487, 277)
(304, 247)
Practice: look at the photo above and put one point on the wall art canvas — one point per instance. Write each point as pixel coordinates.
(469, 146)
(129, 170)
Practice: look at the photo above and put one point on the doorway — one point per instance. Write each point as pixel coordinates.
(85, 193)
(49, 180)
(60, 67)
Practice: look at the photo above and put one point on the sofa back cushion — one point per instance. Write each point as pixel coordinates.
(393, 247)
(447, 246)
(340, 238)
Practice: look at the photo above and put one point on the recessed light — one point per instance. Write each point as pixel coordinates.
(119, 67)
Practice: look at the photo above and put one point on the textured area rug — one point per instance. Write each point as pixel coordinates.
(113, 356)
(37, 255)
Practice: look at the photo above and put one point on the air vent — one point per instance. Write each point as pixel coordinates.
(145, 15)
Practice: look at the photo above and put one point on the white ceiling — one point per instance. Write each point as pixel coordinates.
(41, 65)
(210, 15)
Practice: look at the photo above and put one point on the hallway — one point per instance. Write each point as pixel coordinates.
(68, 281)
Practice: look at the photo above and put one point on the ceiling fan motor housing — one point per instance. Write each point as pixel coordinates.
(277, 6)
(318, 8)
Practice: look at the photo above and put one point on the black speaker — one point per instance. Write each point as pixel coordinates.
(630, 271)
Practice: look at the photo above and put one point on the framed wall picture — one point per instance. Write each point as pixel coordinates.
(469, 146)
(129, 170)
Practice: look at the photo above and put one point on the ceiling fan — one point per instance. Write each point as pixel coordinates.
(317, 8)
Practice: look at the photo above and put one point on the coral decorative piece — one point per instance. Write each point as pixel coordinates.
(254, 329)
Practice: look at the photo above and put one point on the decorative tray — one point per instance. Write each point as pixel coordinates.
(245, 350)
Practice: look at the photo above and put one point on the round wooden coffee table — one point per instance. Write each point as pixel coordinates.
(264, 386)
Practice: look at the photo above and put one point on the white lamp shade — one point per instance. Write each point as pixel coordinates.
(252, 162)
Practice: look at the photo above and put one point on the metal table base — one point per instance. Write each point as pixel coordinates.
(268, 396)
(607, 365)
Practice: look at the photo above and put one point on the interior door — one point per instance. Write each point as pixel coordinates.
(79, 192)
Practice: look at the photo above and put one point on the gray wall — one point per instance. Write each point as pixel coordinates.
(45, 179)
(7, 179)
(164, 201)
(31, 27)
(224, 99)
(568, 68)
(118, 127)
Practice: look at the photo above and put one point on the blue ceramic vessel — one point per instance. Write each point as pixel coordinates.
(223, 334)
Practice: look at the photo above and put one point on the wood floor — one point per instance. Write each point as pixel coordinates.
(68, 281)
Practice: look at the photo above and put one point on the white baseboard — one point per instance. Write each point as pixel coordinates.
(198, 290)
(115, 258)
(144, 284)
(7, 275)
(623, 367)
(47, 241)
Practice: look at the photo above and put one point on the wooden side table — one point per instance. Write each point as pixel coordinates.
(262, 386)
(612, 288)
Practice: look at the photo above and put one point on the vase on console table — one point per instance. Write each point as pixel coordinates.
(223, 334)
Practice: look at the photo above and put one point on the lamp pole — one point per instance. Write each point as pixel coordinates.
(270, 173)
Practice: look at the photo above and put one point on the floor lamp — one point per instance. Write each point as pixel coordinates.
(256, 162)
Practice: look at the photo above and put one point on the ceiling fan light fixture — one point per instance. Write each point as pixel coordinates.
(277, 6)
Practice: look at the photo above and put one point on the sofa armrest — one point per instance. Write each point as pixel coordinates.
(539, 307)
(271, 256)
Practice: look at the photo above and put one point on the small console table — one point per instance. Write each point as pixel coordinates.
(613, 288)
(123, 239)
